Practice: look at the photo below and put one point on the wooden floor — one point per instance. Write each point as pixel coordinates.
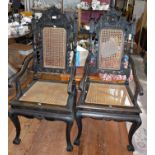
(48, 138)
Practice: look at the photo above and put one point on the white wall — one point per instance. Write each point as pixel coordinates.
(28, 4)
(138, 8)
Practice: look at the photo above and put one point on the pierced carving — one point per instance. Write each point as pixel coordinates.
(54, 56)
(105, 52)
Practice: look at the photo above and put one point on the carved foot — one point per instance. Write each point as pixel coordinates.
(68, 131)
(130, 148)
(79, 124)
(135, 125)
(69, 148)
(77, 142)
(15, 120)
(17, 141)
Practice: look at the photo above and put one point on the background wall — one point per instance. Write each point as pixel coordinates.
(138, 8)
(68, 4)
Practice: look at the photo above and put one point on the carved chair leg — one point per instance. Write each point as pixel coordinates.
(79, 124)
(14, 118)
(135, 125)
(68, 132)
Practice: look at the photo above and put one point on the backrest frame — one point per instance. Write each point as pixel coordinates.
(111, 20)
(52, 18)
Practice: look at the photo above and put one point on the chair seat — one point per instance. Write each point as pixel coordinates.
(108, 94)
(47, 93)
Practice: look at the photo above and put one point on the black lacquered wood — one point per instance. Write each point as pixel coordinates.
(51, 18)
(110, 20)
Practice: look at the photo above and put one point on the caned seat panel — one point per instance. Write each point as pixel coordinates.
(47, 93)
(108, 94)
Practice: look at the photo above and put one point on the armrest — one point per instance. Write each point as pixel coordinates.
(72, 77)
(19, 74)
(86, 72)
(72, 82)
(139, 88)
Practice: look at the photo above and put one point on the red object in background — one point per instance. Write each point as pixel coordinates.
(88, 1)
(86, 15)
(105, 1)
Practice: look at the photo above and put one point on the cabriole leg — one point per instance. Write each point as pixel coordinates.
(135, 125)
(79, 124)
(68, 132)
(15, 120)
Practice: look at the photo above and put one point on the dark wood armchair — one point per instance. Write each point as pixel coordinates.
(54, 46)
(110, 98)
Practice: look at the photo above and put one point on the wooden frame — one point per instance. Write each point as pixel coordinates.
(50, 18)
(111, 20)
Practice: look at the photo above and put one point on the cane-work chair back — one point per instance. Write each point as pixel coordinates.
(53, 40)
(111, 45)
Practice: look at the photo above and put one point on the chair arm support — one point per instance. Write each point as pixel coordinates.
(71, 82)
(72, 77)
(86, 73)
(19, 74)
(139, 88)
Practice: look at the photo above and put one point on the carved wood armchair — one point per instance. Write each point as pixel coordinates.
(54, 46)
(110, 99)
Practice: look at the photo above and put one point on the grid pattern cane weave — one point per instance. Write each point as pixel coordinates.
(111, 42)
(107, 94)
(54, 47)
(47, 93)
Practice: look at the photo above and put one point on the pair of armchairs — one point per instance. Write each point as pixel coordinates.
(54, 43)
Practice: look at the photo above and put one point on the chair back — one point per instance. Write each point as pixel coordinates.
(112, 34)
(111, 45)
(53, 41)
(54, 47)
